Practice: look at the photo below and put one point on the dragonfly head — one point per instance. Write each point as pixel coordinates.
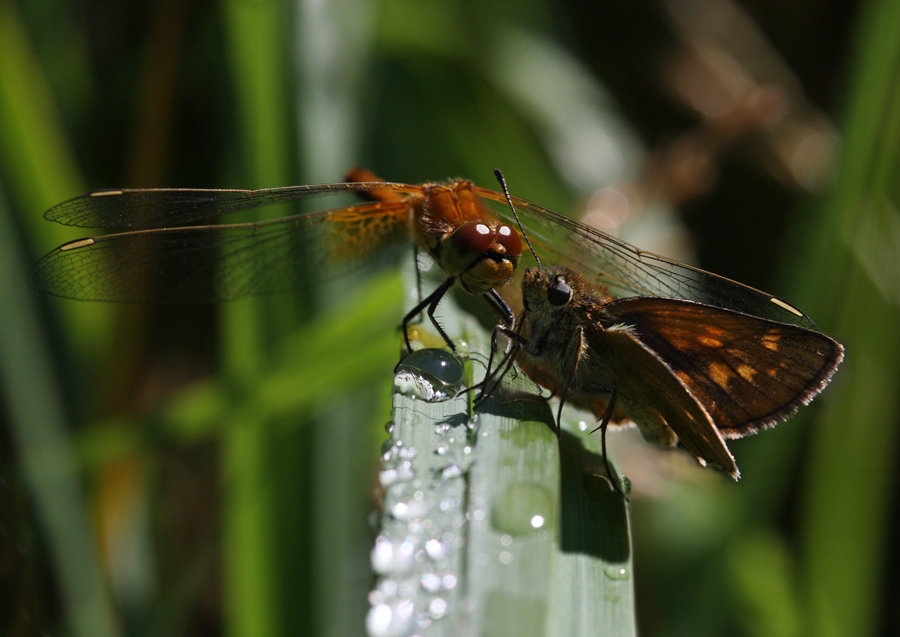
(483, 256)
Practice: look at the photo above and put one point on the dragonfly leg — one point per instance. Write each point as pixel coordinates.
(496, 301)
(431, 302)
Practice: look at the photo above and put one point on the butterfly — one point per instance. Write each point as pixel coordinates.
(681, 370)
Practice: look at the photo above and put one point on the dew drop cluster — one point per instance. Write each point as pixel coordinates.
(418, 554)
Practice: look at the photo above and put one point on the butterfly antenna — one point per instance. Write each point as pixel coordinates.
(502, 180)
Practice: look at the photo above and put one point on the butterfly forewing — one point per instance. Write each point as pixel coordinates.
(747, 372)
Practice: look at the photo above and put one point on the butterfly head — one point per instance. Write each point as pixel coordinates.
(552, 289)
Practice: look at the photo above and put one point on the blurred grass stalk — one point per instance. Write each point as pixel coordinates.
(41, 172)
(43, 446)
(324, 516)
(845, 506)
(41, 168)
(332, 57)
(257, 45)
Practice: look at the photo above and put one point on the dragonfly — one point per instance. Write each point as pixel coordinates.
(170, 245)
(206, 262)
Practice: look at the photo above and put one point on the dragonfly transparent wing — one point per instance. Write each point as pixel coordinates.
(167, 207)
(198, 264)
(630, 271)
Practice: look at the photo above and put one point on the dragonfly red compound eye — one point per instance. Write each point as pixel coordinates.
(509, 239)
(467, 244)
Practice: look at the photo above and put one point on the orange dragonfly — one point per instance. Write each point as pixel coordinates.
(470, 232)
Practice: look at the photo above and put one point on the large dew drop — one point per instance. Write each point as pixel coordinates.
(429, 374)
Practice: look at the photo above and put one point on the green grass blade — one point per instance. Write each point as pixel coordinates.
(492, 526)
(331, 49)
(44, 448)
(40, 169)
(846, 507)
(36, 155)
(253, 604)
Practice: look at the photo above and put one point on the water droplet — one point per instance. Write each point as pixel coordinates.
(388, 477)
(390, 620)
(401, 473)
(522, 509)
(429, 374)
(424, 620)
(615, 572)
(389, 427)
(392, 557)
(431, 582)
(409, 510)
(626, 486)
(415, 527)
(442, 450)
(382, 556)
(448, 504)
(448, 582)
(505, 557)
(435, 549)
(451, 472)
(389, 587)
(437, 607)
(582, 426)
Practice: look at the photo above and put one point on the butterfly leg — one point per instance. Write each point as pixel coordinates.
(570, 361)
(562, 401)
(498, 373)
(603, 426)
(431, 302)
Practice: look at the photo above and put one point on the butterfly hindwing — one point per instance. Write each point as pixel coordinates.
(747, 372)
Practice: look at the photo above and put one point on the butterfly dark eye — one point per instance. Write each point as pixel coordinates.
(559, 293)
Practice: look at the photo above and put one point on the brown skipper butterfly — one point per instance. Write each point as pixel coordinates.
(679, 369)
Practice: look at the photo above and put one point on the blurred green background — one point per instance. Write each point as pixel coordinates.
(212, 469)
